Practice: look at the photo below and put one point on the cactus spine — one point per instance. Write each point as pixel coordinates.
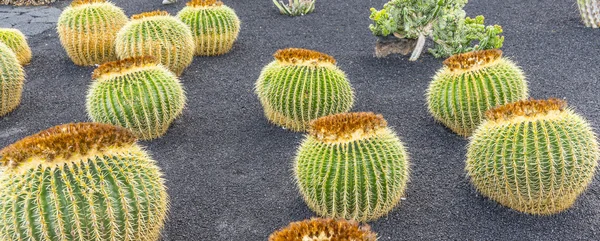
(533, 156)
(215, 26)
(302, 85)
(80, 181)
(318, 229)
(138, 94)
(88, 30)
(351, 166)
(17, 42)
(160, 35)
(470, 84)
(12, 78)
(590, 12)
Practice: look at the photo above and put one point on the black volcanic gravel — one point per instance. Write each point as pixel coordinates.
(229, 172)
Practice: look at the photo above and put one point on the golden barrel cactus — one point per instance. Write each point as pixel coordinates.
(88, 30)
(81, 181)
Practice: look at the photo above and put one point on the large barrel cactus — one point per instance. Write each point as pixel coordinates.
(88, 30)
(319, 229)
(12, 78)
(590, 12)
(17, 42)
(470, 84)
(160, 35)
(534, 156)
(215, 26)
(302, 85)
(82, 182)
(351, 166)
(138, 94)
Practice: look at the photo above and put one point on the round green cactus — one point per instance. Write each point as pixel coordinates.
(590, 12)
(82, 181)
(215, 26)
(17, 42)
(88, 30)
(302, 85)
(160, 35)
(351, 166)
(319, 229)
(138, 94)
(470, 84)
(12, 78)
(533, 156)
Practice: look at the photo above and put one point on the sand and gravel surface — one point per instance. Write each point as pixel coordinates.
(229, 172)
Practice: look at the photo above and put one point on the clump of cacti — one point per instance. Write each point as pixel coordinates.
(214, 25)
(590, 12)
(351, 166)
(302, 85)
(534, 156)
(12, 78)
(295, 7)
(160, 35)
(470, 84)
(88, 30)
(319, 229)
(25, 2)
(83, 181)
(136, 93)
(17, 42)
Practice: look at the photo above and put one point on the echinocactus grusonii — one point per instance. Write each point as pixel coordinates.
(534, 156)
(470, 84)
(82, 181)
(160, 35)
(214, 25)
(17, 42)
(88, 31)
(351, 166)
(136, 93)
(12, 78)
(302, 85)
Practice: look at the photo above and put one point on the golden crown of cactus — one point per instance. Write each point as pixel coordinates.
(138, 94)
(534, 156)
(82, 181)
(318, 229)
(351, 166)
(470, 84)
(215, 26)
(302, 85)
(12, 78)
(160, 35)
(88, 30)
(17, 42)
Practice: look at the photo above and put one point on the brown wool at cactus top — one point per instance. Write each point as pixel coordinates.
(293, 55)
(526, 108)
(150, 14)
(346, 125)
(204, 3)
(66, 140)
(124, 65)
(467, 61)
(319, 229)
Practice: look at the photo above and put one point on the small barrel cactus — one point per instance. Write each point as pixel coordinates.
(319, 229)
(88, 30)
(12, 78)
(302, 85)
(590, 12)
(160, 35)
(534, 156)
(470, 84)
(351, 166)
(17, 42)
(138, 94)
(82, 181)
(215, 26)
